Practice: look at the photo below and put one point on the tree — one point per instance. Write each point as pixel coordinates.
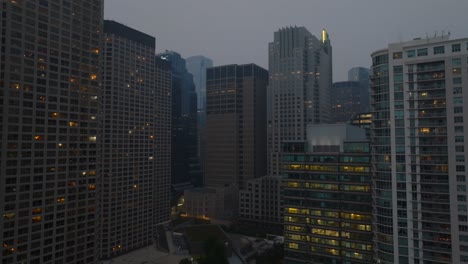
(215, 252)
(274, 255)
(185, 261)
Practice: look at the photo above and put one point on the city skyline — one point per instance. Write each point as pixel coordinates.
(243, 29)
(104, 160)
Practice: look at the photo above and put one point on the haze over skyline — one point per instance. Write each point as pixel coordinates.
(238, 32)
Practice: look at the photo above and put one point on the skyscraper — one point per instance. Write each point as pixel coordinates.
(49, 99)
(300, 67)
(236, 124)
(197, 66)
(327, 197)
(135, 174)
(185, 165)
(346, 101)
(359, 74)
(419, 161)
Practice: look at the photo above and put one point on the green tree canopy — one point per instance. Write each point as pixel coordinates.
(185, 261)
(215, 252)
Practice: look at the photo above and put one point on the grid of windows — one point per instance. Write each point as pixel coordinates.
(326, 217)
(235, 109)
(424, 120)
(294, 101)
(50, 54)
(135, 180)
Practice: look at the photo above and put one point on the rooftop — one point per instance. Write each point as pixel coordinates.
(202, 232)
(147, 255)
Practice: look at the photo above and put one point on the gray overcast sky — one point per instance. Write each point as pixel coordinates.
(238, 31)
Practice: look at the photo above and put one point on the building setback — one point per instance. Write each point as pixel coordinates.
(418, 95)
(300, 67)
(327, 197)
(135, 167)
(236, 124)
(49, 99)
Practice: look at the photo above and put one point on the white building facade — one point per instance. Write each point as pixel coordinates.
(418, 96)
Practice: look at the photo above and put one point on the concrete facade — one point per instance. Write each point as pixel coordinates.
(260, 204)
(49, 104)
(135, 147)
(327, 197)
(418, 96)
(218, 203)
(236, 124)
(300, 67)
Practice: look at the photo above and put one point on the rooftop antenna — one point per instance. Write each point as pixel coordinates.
(443, 31)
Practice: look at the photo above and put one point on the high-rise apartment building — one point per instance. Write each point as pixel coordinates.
(49, 102)
(236, 124)
(185, 165)
(300, 67)
(135, 168)
(418, 98)
(327, 197)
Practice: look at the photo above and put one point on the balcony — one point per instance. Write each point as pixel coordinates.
(431, 76)
(433, 142)
(431, 87)
(427, 69)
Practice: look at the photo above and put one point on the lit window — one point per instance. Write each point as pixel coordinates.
(293, 184)
(397, 55)
(9, 215)
(39, 137)
(37, 219)
(425, 130)
(293, 245)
